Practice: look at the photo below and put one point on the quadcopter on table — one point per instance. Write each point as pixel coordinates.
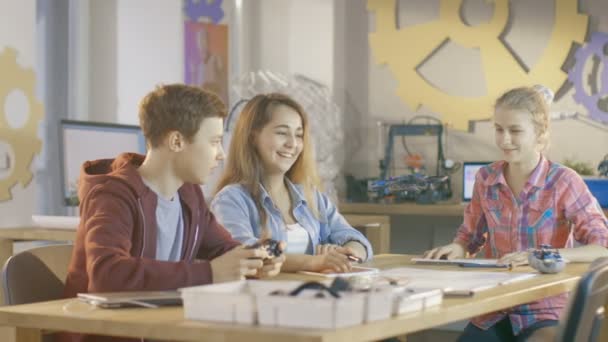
(546, 259)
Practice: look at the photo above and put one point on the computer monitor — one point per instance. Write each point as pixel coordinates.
(469, 170)
(81, 141)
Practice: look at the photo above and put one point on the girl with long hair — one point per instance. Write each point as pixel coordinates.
(270, 189)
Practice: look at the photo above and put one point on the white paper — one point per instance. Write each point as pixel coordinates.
(356, 271)
(455, 282)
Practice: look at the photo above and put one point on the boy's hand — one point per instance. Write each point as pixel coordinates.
(272, 266)
(451, 251)
(237, 263)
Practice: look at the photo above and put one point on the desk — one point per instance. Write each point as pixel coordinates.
(376, 228)
(8, 236)
(440, 209)
(415, 228)
(168, 323)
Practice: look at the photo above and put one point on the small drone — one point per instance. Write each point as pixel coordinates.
(546, 259)
(269, 245)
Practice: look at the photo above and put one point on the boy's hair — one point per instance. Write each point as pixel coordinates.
(534, 101)
(244, 165)
(177, 107)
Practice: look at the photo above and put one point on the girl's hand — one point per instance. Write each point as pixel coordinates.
(451, 251)
(324, 249)
(332, 261)
(515, 259)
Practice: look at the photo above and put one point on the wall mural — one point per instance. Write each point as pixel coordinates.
(596, 52)
(20, 115)
(403, 50)
(206, 46)
(197, 9)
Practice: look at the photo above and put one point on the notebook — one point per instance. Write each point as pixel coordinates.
(147, 299)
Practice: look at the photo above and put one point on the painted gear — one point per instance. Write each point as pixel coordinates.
(405, 49)
(595, 47)
(24, 141)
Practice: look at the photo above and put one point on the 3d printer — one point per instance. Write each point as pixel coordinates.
(417, 187)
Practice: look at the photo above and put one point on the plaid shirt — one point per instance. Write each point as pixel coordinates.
(555, 207)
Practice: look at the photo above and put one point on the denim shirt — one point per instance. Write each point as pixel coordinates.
(235, 209)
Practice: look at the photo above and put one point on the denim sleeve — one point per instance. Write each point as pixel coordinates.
(230, 209)
(334, 227)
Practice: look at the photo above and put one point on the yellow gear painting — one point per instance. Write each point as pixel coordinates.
(24, 141)
(405, 49)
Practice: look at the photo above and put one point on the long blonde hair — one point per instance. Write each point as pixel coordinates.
(244, 166)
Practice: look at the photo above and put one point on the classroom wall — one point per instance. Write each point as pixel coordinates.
(327, 41)
(140, 44)
(455, 71)
(133, 45)
(149, 50)
(19, 14)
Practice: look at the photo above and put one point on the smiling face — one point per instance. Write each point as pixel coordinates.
(515, 135)
(196, 160)
(280, 141)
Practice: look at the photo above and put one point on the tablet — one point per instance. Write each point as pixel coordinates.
(492, 263)
(354, 272)
(147, 299)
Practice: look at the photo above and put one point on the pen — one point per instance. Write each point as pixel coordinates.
(354, 258)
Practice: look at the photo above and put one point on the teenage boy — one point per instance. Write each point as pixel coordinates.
(144, 221)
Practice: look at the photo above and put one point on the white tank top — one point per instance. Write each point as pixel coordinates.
(298, 239)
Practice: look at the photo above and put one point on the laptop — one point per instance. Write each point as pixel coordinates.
(469, 170)
(146, 299)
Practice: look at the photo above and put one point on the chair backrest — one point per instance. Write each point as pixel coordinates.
(36, 275)
(586, 310)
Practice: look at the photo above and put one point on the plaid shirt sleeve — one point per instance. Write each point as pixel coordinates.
(589, 224)
(472, 232)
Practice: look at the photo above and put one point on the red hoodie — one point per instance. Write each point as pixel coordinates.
(115, 246)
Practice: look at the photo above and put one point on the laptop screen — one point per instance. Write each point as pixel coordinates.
(469, 170)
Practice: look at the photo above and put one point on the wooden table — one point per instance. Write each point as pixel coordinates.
(376, 228)
(168, 323)
(8, 236)
(414, 227)
(439, 209)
